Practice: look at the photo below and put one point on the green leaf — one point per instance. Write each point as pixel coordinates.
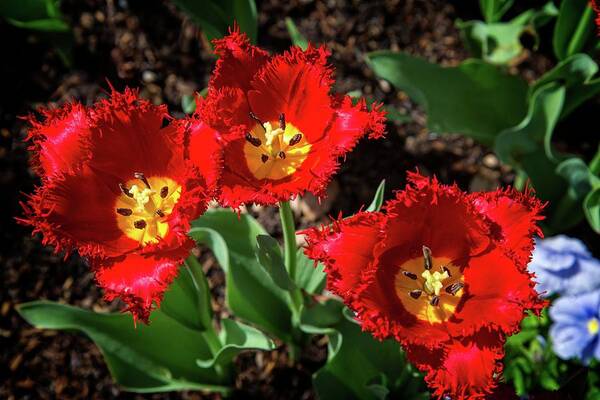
(378, 199)
(250, 292)
(576, 74)
(297, 38)
(45, 25)
(41, 15)
(591, 208)
(493, 10)
(148, 358)
(574, 30)
(568, 211)
(244, 13)
(310, 278)
(216, 17)
(236, 337)
(391, 114)
(186, 301)
(321, 317)
(475, 99)
(349, 346)
(269, 255)
(188, 104)
(500, 42)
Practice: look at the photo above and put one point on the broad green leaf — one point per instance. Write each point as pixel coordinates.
(309, 277)
(378, 199)
(251, 293)
(45, 25)
(188, 104)
(269, 256)
(148, 358)
(500, 42)
(356, 361)
(236, 337)
(321, 317)
(475, 99)
(187, 300)
(524, 145)
(493, 10)
(591, 208)
(576, 73)
(216, 17)
(567, 211)
(574, 30)
(297, 38)
(244, 13)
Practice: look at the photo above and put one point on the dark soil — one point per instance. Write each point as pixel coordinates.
(151, 45)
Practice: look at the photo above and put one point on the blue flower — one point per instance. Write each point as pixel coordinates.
(564, 265)
(575, 332)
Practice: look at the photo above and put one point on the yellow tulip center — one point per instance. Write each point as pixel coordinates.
(144, 206)
(275, 150)
(429, 287)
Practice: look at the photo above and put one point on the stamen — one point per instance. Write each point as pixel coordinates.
(281, 155)
(282, 121)
(435, 301)
(255, 118)
(446, 270)
(454, 288)
(295, 139)
(160, 213)
(142, 177)
(264, 158)
(410, 275)
(427, 257)
(125, 190)
(254, 141)
(164, 191)
(126, 212)
(140, 224)
(415, 294)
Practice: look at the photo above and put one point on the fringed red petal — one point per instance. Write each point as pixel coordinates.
(205, 151)
(238, 61)
(516, 214)
(346, 248)
(139, 280)
(57, 142)
(463, 370)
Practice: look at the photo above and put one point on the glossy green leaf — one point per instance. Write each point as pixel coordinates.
(244, 13)
(591, 208)
(358, 367)
(188, 104)
(235, 338)
(493, 10)
(475, 99)
(321, 317)
(41, 15)
(216, 17)
(270, 257)
(378, 199)
(250, 292)
(574, 30)
(576, 74)
(500, 42)
(297, 38)
(309, 277)
(188, 298)
(147, 358)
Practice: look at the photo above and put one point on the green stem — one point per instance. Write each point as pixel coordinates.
(289, 241)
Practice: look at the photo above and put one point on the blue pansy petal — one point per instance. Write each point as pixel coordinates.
(563, 265)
